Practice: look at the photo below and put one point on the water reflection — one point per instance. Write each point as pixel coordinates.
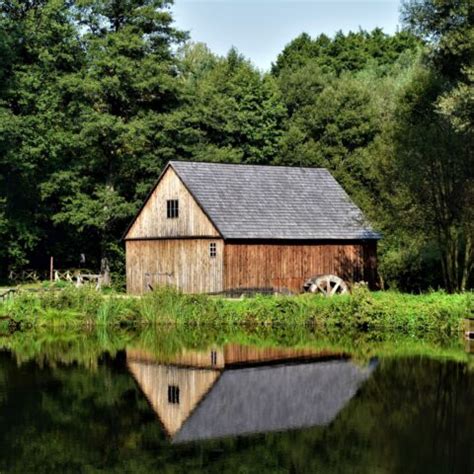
(470, 346)
(78, 403)
(469, 335)
(235, 390)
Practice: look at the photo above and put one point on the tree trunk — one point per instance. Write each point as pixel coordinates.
(467, 262)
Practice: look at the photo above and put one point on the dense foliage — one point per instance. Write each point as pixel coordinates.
(413, 315)
(97, 95)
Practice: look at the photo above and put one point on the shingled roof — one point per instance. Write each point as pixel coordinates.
(277, 398)
(273, 202)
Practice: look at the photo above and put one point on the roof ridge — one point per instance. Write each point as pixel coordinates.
(250, 201)
(254, 165)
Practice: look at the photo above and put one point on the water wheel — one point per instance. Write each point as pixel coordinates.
(327, 285)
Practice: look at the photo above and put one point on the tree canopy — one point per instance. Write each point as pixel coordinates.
(97, 95)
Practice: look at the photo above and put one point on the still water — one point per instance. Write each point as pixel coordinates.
(233, 403)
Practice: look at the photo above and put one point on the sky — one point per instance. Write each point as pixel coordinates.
(260, 29)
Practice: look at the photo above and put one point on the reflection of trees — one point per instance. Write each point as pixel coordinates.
(411, 414)
(425, 407)
(451, 382)
(68, 346)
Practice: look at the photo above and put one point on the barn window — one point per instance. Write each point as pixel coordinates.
(212, 249)
(173, 394)
(172, 208)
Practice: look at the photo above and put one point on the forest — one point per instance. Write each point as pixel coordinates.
(97, 95)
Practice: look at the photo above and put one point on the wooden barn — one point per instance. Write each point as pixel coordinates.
(240, 390)
(210, 228)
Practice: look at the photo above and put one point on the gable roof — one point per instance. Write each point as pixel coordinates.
(252, 389)
(273, 202)
(277, 398)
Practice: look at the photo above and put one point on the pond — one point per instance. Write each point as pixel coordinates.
(237, 401)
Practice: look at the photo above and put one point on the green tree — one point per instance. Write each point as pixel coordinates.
(230, 111)
(434, 137)
(448, 26)
(40, 49)
(336, 121)
(119, 98)
(352, 52)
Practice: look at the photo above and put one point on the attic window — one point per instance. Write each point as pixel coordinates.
(172, 208)
(212, 250)
(173, 394)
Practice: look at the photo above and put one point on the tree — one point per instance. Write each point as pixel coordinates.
(434, 136)
(230, 112)
(40, 49)
(351, 52)
(119, 99)
(448, 27)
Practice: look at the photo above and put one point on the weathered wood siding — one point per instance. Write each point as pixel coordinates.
(153, 222)
(236, 354)
(182, 263)
(211, 358)
(289, 265)
(154, 380)
(230, 355)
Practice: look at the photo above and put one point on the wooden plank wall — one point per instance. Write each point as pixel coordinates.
(230, 355)
(211, 358)
(152, 220)
(182, 263)
(236, 354)
(370, 264)
(154, 380)
(288, 266)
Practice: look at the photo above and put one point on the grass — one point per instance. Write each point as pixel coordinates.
(86, 347)
(411, 315)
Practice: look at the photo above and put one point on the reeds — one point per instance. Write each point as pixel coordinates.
(362, 310)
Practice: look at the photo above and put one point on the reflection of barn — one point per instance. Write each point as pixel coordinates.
(208, 228)
(240, 390)
(470, 346)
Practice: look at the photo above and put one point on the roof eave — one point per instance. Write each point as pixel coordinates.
(196, 200)
(165, 169)
(127, 230)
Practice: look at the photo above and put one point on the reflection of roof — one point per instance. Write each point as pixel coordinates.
(217, 402)
(277, 398)
(154, 380)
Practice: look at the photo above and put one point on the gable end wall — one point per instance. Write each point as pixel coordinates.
(152, 221)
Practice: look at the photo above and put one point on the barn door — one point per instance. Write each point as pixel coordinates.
(155, 280)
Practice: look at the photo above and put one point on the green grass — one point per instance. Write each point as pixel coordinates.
(411, 315)
(86, 346)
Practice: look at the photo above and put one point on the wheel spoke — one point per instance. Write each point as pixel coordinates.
(336, 286)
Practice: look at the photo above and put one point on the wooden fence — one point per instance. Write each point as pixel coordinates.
(7, 293)
(25, 276)
(78, 277)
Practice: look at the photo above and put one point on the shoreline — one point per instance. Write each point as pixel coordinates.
(362, 310)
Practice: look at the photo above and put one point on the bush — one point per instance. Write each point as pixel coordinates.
(362, 310)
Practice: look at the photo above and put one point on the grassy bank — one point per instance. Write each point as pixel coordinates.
(86, 347)
(390, 311)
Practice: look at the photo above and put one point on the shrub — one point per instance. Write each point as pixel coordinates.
(362, 310)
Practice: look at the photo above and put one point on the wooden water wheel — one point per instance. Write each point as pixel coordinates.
(327, 285)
